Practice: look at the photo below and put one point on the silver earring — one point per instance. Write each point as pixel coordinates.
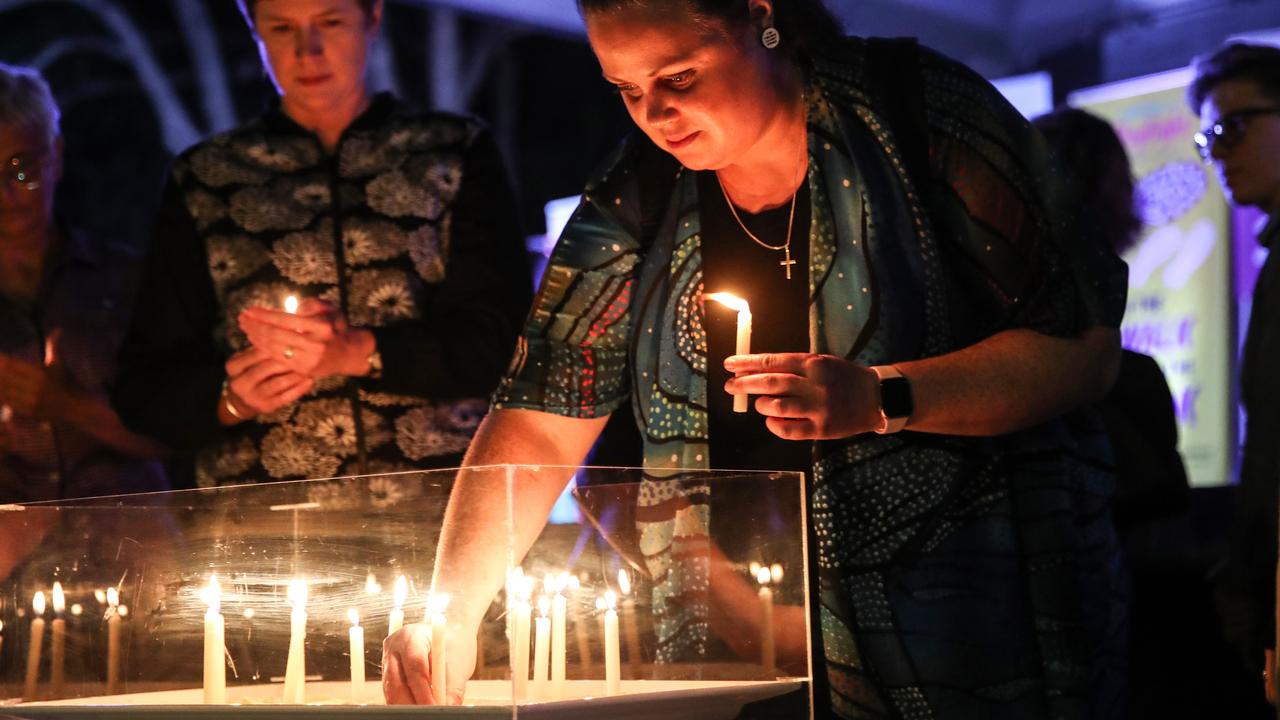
(770, 38)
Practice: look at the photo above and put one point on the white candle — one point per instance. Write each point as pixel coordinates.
(558, 627)
(744, 336)
(291, 304)
(612, 654)
(295, 674)
(629, 623)
(357, 657)
(215, 664)
(520, 650)
(541, 647)
(399, 593)
(112, 597)
(58, 656)
(767, 656)
(436, 606)
(33, 649)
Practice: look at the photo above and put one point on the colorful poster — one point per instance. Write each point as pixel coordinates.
(1180, 302)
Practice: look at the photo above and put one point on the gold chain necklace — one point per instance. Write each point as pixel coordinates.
(785, 247)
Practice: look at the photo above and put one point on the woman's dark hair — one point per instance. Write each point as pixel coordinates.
(247, 7)
(1093, 159)
(805, 25)
(1259, 64)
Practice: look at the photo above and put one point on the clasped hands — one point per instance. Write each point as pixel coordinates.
(806, 396)
(289, 352)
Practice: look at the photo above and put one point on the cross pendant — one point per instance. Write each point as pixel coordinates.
(788, 262)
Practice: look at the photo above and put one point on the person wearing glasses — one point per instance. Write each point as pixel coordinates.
(64, 304)
(395, 232)
(1236, 94)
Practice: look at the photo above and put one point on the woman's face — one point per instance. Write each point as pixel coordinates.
(315, 50)
(701, 90)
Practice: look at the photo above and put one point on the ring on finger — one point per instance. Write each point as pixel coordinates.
(288, 352)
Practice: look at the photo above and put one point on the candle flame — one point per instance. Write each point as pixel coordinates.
(549, 584)
(77, 609)
(574, 583)
(437, 603)
(763, 576)
(610, 600)
(371, 586)
(123, 610)
(400, 592)
(298, 594)
(544, 604)
(249, 613)
(1, 626)
(775, 572)
(562, 582)
(212, 595)
(112, 597)
(37, 602)
(601, 604)
(730, 301)
(101, 596)
(291, 304)
(59, 598)
(754, 568)
(624, 582)
(354, 617)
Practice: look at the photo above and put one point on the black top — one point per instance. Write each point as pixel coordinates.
(408, 226)
(733, 262)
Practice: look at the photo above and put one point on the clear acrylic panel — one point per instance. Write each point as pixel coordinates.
(693, 587)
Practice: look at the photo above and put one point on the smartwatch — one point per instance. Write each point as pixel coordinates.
(896, 403)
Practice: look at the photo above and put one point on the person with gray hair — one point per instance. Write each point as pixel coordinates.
(63, 308)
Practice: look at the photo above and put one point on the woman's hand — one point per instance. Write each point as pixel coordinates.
(804, 396)
(258, 384)
(316, 342)
(406, 665)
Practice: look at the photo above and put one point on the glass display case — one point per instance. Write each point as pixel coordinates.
(682, 596)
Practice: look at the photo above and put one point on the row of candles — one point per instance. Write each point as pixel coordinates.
(549, 651)
(109, 597)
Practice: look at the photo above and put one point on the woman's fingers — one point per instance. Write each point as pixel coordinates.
(792, 363)
(316, 324)
(791, 429)
(767, 384)
(395, 689)
(784, 407)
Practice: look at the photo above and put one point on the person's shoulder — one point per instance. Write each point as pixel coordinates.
(436, 126)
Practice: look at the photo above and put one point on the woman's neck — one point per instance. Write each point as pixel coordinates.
(328, 123)
(770, 172)
(22, 262)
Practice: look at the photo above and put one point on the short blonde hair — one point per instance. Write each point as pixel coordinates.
(26, 100)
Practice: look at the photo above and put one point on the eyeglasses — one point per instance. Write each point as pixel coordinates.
(1229, 130)
(25, 171)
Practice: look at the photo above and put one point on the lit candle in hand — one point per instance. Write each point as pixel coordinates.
(436, 606)
(357, 657)
(295, 674)
(34, 647)
(58, 657)
(398, 593)
(215, 665)
(744, 335)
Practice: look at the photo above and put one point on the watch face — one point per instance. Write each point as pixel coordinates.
(895, 397)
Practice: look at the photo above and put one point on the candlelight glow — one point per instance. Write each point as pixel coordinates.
(371, 586)
(730, 301)
(544, 605)
(775, 572)
(212, 595)
(298, 595)
(353, 616)
(624, 582)
(549, 584)
(37, 602)
(574, 583)
(610, 600)
(112, 597)
(249, 613)
(437, 603)
(1, 626)
(77, 609)
(754, 568)
(562, 582)
(123, 611)
(291, 304)
(59, 599)
(763, 576)
(101, 596)
(601, 604)
(400, 592)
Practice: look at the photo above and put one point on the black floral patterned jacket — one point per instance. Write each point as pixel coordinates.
(409, 226)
